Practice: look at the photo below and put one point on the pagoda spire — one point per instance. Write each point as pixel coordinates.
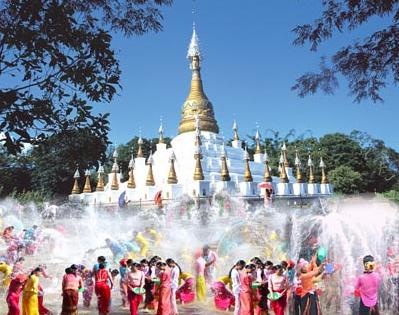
(150, 176)
(87, 186)
(235, 130)
(100, 181)
(258, 150)
(172, 178)
(140, 149)
(284, 151)
(298, 165)
(160, 131)
(76, 188)
(324, 178)
(224, 172)
(197, 102)
(247, 171)
(283, 172)
(131, 183)
(311, 174)
(198, 173)
(197, 130)
(266, 175)
(115, 170)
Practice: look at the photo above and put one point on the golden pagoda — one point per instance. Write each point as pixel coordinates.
(150, 176)
(284, 151)
(247, 172)
(172, 177)
(311, 179)
(100, 182)
(324, 178)
(197, 102)
(140, 149)
(87, 186)
(131, 183)
(298, 166)
(235, 130)
(115, 170)
(76, 188)
(224, 172)
(283, 172)
(266, 175)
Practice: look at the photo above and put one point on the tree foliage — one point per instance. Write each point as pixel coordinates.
(56, 60)
(346, 180)
(55, 161)
(368, 64)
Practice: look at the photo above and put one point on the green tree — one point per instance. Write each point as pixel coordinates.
(369, 64)
(55, 161)
(346, 180)
(56, 60)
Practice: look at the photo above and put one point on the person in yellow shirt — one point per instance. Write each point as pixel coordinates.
(6, 270)
(30, 302)
(142, 242)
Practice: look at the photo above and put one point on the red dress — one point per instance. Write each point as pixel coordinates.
(246, 300)
(14, 292)
(103, 291)
(164, 302)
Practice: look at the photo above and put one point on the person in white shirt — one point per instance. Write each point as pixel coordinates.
(174, 283)
(236, 284)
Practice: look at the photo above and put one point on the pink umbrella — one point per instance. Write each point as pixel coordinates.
(265, 185)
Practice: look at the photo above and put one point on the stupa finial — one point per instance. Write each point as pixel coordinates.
(324, 178)
(160, 131)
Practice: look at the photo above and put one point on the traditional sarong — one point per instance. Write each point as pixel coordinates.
(13, 303)
(223, 298)
(310, 304)
(185, 294)
(164, 301)
(103, 292)
(278, 306)
(30, 303)
(201, 288)
(134, 301)
(70, 299)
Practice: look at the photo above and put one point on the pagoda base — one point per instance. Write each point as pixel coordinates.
(227, 186)
(249, 189)
(283, 189)
(172, 191)
(326, 189)
(200, 188)
(299, 189)
(313, 189)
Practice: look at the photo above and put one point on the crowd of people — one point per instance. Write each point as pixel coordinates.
(159, 286)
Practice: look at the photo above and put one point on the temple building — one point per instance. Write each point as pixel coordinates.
(199, 164)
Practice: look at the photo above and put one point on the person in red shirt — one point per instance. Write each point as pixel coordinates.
(71, 283)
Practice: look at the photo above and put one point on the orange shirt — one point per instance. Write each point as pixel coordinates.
(307, 279)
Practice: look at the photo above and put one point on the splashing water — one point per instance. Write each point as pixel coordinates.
(348, 228)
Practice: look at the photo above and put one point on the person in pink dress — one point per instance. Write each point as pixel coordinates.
(164, 290)
(134, 279)
(14, 293)
(246, 299)
(278, 282)
(175, 271)
(210, 265)
(367, 286)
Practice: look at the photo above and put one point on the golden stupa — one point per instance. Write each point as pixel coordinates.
(197, 102)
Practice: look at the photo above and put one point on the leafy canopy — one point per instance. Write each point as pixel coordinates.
(56, 60)
(368, 64)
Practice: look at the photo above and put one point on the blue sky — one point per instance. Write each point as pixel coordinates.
(248, 69)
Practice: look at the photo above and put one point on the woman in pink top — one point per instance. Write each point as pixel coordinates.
(135, 279)
(278, 283)
(246, 300)
(368, 285)
(164, 303)
(71, 283)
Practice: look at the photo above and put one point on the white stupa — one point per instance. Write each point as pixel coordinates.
(198, 163)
